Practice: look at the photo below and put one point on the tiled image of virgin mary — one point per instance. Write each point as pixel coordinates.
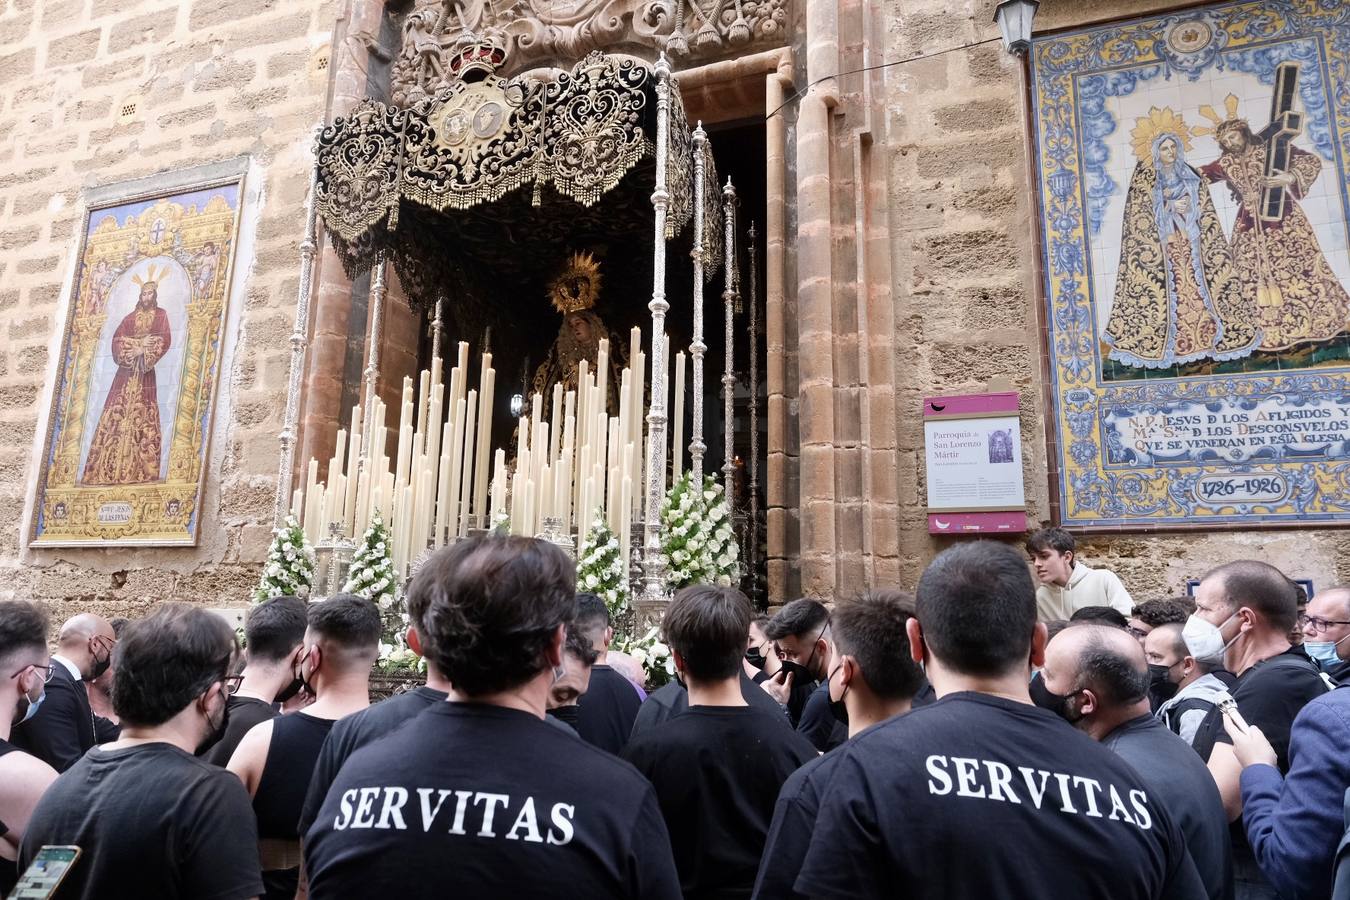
(1178, 297)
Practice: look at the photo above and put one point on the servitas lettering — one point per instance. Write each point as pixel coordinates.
(1079, 795)
(471, 812)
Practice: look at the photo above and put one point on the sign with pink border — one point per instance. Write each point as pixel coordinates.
(973, 454)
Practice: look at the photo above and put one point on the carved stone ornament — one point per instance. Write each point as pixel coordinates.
(541, 33)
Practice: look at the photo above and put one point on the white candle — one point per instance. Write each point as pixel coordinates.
(485, 399)
(677, 423)
(466, 473)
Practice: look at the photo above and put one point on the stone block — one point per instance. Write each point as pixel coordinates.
(112, 72)
(211, 13)
(37, 266)
(14, 67)
(142, 29)
(224, 74)
(15, 238)
(977, 115)
(18, 396)
(73, 48)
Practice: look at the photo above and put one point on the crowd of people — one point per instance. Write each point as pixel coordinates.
(982, 738)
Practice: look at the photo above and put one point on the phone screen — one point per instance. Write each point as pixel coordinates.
(42, 877)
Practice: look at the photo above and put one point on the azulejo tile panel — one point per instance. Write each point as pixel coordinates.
(1193, 202)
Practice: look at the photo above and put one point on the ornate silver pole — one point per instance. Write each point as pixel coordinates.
(697, 347)
(728, 371)
(309, 246)
(373, 335)
(437, 327)
(653, 569)
(752, 557)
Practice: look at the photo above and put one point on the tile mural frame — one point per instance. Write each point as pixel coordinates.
(1098, 483)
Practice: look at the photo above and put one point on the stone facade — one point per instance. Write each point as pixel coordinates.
(98, 92)
(900, 261)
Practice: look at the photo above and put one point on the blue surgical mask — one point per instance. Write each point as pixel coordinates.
(32, 706)
(1322, 652)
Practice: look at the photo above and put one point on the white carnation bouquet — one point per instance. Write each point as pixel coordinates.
(654, 657)
(372, 576)
(289, 569)
(600, 567)
(697, 540)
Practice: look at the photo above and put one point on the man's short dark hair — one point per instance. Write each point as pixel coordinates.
(802, 617)
(871, 629)
(167, 660)
(117, 623)
(487, 609)
(349, 622)
(1161, 612)
(977, 606)
(1117, 679)
(274, 628)
(23, 629)
(592, 614)
(1259, 586)
(580, 646)
(1102, 615)
(1056, 539)
(761, 620)
(707, 626)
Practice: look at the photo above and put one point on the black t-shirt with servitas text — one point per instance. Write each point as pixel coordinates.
(483, 801)
(978, 797)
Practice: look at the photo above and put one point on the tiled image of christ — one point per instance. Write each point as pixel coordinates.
(136, 374)
(1000, 446)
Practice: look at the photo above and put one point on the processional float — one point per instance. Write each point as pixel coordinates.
(421, 187)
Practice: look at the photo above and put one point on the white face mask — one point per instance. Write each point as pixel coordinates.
(1204, 639)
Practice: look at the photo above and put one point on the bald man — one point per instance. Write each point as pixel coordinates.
(64, 727)
(1103, 679)
(1326, 632)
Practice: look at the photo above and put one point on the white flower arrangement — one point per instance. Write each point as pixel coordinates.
(372, 576)
(599, 568)
(654, 656)
(698, 543)
(289, 569)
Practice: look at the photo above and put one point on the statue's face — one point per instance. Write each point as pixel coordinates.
(580, 328)
(1167, 152)
(148, 296)
(1233, 140)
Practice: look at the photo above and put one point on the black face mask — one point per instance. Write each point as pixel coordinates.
(566, 714)
(1045, 698)
(1160, 686)
(755, 658)
(838, 707)
(289, 690)
(100, 666)
(217, 730)
(801, 675)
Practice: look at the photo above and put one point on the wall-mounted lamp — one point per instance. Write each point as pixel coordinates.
(1014, 18)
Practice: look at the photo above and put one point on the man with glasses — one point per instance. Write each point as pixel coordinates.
(1326, 632)
(25, 670)
(150, 818)
(800, 632)
(1294, 821)
(66, 725)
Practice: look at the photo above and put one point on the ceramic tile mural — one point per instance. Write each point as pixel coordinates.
(1194, 205)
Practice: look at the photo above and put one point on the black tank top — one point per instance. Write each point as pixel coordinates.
(296, 741)
(9, 875)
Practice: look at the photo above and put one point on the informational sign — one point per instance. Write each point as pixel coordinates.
(973, 450)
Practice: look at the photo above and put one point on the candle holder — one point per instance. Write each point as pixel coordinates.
(554, 534)
(332, 562)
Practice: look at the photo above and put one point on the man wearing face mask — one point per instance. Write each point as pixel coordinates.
(1101, 674)
(274, 636)
(578, 666)
(981, 795)
(25, 667)
(1326, 632)
(874, 678)
(1294, 821)
(276, 759)
(718, 768)
(1192, 688)
(761, 662)
(800, 632)
(605, 715)
(152, 819)
(67, 726)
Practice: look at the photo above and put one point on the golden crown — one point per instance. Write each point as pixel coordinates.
(152, 275)
(1158, 122)
(578, 287)
(1230, 106)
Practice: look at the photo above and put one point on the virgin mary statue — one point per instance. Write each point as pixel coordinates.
(1178, 296)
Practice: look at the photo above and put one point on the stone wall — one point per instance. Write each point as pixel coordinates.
(94, 92)
(967, 304)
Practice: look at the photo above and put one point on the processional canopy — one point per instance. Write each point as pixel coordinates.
(492, 170)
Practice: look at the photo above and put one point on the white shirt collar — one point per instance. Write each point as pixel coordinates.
(70, 666)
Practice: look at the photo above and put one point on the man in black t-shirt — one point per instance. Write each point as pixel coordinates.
(276, 759)
(983, 795)
(671, 700)
(606, 713)
(566, 692)
(1244, 612)
(274, 635)
(479, 796)
(151, 819)
(718, 768)
(1102, 676)
(800, 632)
(874, 679)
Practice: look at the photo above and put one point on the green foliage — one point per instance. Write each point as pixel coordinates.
(600, 567)
(289, 570)
(697, 540)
